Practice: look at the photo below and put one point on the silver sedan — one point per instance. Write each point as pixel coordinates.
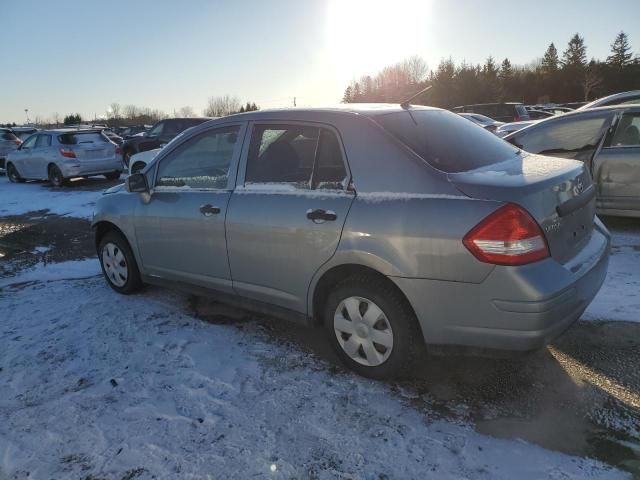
(393, 227)
(57, 155)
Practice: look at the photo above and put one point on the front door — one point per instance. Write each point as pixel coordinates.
(287, 212)
(616, 168)
(180, 232)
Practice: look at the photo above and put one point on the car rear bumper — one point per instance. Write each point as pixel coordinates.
(514, 308)
(91, 168)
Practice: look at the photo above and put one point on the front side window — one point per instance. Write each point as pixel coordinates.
(201, 162)
(157, 130)
(298, 156)
(628, 131)
(43, 141)
(564, 136)
(30, 142)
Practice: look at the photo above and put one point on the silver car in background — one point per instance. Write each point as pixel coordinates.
(8, 143)
(57, 155)
(390, 226)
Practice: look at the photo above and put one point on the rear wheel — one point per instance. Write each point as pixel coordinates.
(112, 175)
(12, 173)
(55, 176)
(118, 263)
(371, 326)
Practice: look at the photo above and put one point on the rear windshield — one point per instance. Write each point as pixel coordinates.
(7, 135)
(446, 141)
(80, 138)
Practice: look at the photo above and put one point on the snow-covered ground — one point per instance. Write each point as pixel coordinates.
(20, 198)
(96, 385)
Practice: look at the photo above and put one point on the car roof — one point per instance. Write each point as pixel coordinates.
(615, 96)
(487, 104)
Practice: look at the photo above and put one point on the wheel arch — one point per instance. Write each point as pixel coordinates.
(103, 227)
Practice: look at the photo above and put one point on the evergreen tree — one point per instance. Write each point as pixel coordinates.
(254, 107)
(620, 51)
(356, 96)
(550, 60)
(348, 95)
(576, 53)
(506, 79)
(242, 110)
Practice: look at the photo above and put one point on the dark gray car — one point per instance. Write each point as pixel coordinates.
(391, 227)
(607, 140)
(8, 143)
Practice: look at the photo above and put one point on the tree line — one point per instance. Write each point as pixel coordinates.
(554, 77)
(130, 115)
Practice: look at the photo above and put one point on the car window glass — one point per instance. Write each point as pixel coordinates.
(329, 171)
(8, 135)
(173, 127)
(282, 154)
(157, 130)
(628, 131)
(201, 162)
(43, 141)
(30, 142)
(81, 138)
(575, 135)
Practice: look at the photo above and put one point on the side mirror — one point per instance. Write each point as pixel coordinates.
(137, 183)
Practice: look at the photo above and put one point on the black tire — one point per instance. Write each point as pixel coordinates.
(55, 177)
(13, 175)
(407, 336)
(133, 281)
(112, 176)
(137, 167)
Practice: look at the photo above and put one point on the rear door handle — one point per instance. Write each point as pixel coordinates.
(208, 210)
(319, 215)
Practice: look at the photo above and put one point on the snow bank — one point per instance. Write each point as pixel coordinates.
(20, 198)
(105, 386)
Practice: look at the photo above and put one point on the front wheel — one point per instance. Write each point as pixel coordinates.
(118, 263)
(371, 326)
(55, 176)
(12, 173)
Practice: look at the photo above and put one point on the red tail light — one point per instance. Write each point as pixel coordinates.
(118, 151)
(509, 236)
(68, 153)
(516, 118)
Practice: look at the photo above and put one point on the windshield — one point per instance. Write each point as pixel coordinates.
(445, 140)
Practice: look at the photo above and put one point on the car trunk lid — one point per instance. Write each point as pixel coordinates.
(558, 193)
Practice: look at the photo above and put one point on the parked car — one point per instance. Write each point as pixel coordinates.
(607, 140)
(8, 143)
(623, 98)
(160, 134)
(60, 154)
(502, 112)
(111, 135)
(391, 226)
(23, 132)
(127, 132)
(507, 128)
(482, 120)
(140, 160)
(557, 110)
(538, 114)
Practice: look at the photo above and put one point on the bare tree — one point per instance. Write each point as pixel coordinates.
(114, 109)
(416, 69)
(221, 106)
(186, 111)
(55, 118)
(592, 80)
(130, 112)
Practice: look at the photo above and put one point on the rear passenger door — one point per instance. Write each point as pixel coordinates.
(286, 215)
(39, 158)
(617, 166)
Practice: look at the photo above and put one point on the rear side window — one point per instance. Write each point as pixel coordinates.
(573, 135)
(445, 140)
(521, 111)
(79, 138)
(297, 155)
(43, 141)
(7, 135)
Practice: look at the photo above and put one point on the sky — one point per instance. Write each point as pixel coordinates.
(80, 56)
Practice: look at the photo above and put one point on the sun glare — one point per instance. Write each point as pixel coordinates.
(363, 36)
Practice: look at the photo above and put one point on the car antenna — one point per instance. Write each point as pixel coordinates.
(406, 104)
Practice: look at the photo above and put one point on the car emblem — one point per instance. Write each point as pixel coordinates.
(578, 188)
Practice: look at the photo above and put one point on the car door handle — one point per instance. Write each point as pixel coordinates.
(208, 210)
(319, 215)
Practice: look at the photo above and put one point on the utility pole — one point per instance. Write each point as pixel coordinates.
(26, 112)
(294, 101)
